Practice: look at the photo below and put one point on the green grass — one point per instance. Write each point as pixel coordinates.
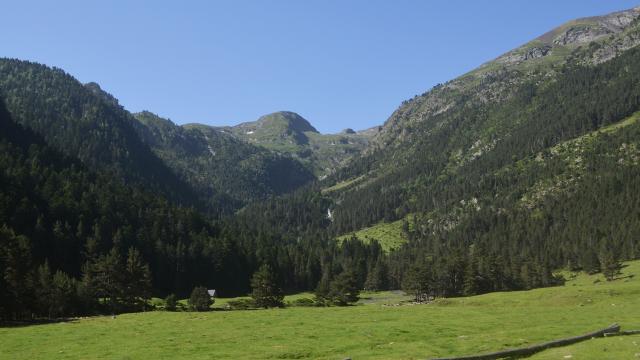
(389, 235)
(367, 331)
(343, 185)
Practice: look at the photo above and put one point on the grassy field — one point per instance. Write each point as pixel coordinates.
(370, 330)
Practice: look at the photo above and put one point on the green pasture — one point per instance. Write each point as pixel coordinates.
(382, 326)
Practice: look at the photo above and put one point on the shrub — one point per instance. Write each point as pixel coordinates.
(302, 302)
(241, 304)
(200, 299)
(170, 302)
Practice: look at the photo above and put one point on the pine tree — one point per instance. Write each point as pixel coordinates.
(609, 264)
(265, 290)
(106, 279)
(137, 280)
(16, 293)
(417, 282)
(378, 277)
(43, 289)
(472, 279)
(343, 289)
(322, 289)
(63, 294)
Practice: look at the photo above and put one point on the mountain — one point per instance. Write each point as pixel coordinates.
(192, 165)
(586, 41)
(289, 133)
(215, 162)
(491, 180)
(85, 123)
(526, 164)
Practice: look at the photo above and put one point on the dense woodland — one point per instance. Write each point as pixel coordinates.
(69, 231)
(92, 220)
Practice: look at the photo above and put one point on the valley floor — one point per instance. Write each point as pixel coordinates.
(370, 330)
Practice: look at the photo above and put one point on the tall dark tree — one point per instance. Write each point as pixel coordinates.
(63, 295)
(417, 281)
(137, 280)
(43, 289)
(344, 289)
(265, 289)
(16, 295)
(610, 266)
(377, 277)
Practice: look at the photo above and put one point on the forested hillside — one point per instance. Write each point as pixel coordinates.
(57, 214)
(215, 162)
(79, 241)
(83, 123)
(522, 166)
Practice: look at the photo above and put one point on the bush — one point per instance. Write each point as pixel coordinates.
(241, 304)
(302, 302)
(200, 299)
(170, 302)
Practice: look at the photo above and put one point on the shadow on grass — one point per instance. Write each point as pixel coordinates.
(25, 323)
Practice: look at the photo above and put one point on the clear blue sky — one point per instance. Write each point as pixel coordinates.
(338, 63)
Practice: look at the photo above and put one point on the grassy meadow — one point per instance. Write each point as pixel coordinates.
(374, 329)
(389, 235)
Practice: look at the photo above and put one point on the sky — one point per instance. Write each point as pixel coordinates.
(338, 63)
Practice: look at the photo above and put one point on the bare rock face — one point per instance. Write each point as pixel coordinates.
(619, 20)
(537, 52)
(611, 49)
(528, 54)
(581, 35)
(590, 29)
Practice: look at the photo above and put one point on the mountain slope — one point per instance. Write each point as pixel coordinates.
(85, 123)
(214, 162)
(502, 112)
(495, 178)
(585, 41)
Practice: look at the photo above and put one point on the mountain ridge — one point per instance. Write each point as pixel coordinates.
(491, 82)
(439, 164)
(288, 133)
(214, 161)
